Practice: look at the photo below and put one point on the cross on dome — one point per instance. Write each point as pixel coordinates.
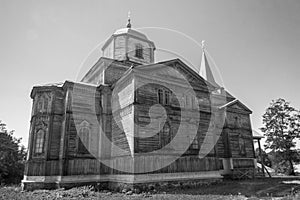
(128, 23)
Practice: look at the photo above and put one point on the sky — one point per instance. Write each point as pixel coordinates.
(254, 45)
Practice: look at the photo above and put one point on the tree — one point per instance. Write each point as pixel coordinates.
(12, 157)
(264, 156)
(281, 125)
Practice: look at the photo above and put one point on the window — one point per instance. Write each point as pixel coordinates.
(160, 96)
(42, 104)
(242, 146)
(165, 135)
(83, 139)
(39, 141)
(139, 51)
(167, 97)
(163, 97)
(195, 143)
(187, 101)
(46, 104)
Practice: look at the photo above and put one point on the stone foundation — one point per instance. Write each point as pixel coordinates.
(118, 183)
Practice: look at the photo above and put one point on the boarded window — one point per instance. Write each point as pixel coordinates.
(83, 140)
(139, 51)
(165, 135)
(242, 146)
(39, 141)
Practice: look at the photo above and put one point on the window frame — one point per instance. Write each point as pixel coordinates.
(139, 51)
(83, 139)
(163, 97)
(39, 142)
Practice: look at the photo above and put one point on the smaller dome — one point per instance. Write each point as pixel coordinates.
(130, 31)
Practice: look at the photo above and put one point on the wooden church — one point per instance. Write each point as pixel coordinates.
(132, 121)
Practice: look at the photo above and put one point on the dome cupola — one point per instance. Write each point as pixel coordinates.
(129, 44)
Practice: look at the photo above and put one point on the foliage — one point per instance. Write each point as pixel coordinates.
(12, 157)
(281, 125)
(266, 158)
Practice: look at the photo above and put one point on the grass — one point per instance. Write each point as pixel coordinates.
(227, 190)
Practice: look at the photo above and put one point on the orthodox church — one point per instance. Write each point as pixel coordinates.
(133, 121)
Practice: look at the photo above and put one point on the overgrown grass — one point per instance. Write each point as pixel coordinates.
(228, 190)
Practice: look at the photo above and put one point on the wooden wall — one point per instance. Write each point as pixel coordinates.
(236, 139)
(87, 166)
(147, 51)
(147, 97)
(120, 48)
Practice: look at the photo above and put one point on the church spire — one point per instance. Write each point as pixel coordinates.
(128, 23)
(205, 71)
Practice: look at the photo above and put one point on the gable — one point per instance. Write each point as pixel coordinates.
(236, 105)
(174, 71)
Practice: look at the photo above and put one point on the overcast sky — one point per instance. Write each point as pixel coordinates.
(255, 45)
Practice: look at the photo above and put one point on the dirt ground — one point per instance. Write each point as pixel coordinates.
(268, 188)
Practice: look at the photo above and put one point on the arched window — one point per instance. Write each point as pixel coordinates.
(39, 141)
(167, 97)
(139, 51)
(83, 140)
(195, 143)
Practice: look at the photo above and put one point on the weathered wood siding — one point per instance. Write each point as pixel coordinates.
(113, 73)
(147, 96)
(236, 140)
(120, 48)
(41, 168)
(57, 111)
(243, 163)
(147, 51)
(109, 50)
(83, 105)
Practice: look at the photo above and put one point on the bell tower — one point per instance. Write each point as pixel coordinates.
(129, 44)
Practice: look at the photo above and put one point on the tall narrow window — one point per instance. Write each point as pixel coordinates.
(83, 140)
(165, 135)
(160, 96)
(45, 104)
(40, 105)
(39, 141)
(167, 97)
(139, 51)
(187, 101)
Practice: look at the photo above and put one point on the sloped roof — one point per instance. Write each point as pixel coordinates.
(256, 135)
(130, 31)
(167, 63)
(59, 84)
(236, 101)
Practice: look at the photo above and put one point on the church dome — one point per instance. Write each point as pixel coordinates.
(131, 32)
(129, 44)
